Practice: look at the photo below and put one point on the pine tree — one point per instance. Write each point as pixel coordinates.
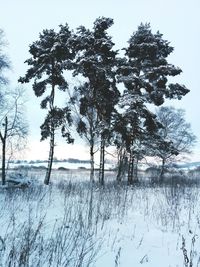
(96, 61)
(50, 56)
(144, 72)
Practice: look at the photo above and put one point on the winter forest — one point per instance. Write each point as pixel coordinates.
(135, 203)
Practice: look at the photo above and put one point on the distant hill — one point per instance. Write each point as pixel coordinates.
(189, 165)
(70, 160)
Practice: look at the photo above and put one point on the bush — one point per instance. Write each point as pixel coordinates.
(82, 168)
(63, 169)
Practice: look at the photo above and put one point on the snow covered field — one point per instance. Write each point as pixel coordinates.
(73, 224)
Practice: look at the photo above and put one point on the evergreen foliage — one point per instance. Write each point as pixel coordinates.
(96, 61)
(145, 72)
(122, 117)
(50, 56)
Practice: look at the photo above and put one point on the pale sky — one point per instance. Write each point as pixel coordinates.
(177, 20)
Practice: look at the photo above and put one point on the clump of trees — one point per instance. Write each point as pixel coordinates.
(13, 125)
(112, 102)
(96, 61)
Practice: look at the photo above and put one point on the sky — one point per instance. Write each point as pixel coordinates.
(177, 20)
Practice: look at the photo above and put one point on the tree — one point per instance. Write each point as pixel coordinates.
(85, 119)
(144, 72)
(96, 62)
(50, 57)
(4, 62)
(134, 126)
(176, 135)
(13, 126)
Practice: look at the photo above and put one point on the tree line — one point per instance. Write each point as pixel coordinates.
(114, 102)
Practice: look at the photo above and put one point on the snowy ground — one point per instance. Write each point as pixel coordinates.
(72, 224)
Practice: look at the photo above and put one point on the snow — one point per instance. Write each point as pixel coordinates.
(116, 225)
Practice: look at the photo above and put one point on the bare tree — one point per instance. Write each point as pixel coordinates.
(85, 119)
(4, 61)
(176, 135)
(13, 126)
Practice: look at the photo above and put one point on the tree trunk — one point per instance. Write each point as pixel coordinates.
(91, 162)
(52, 132)
(130, 169)
(102, 161)
(3, 162)
(50, 160)
(135, 169)
(90, 212)
(162, 170)
(119, 172)
(122, 164)
(3, 140)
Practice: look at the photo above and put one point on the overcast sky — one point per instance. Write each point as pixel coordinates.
(177, 20)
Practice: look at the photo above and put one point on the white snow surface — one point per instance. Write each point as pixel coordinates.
(129, 226)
